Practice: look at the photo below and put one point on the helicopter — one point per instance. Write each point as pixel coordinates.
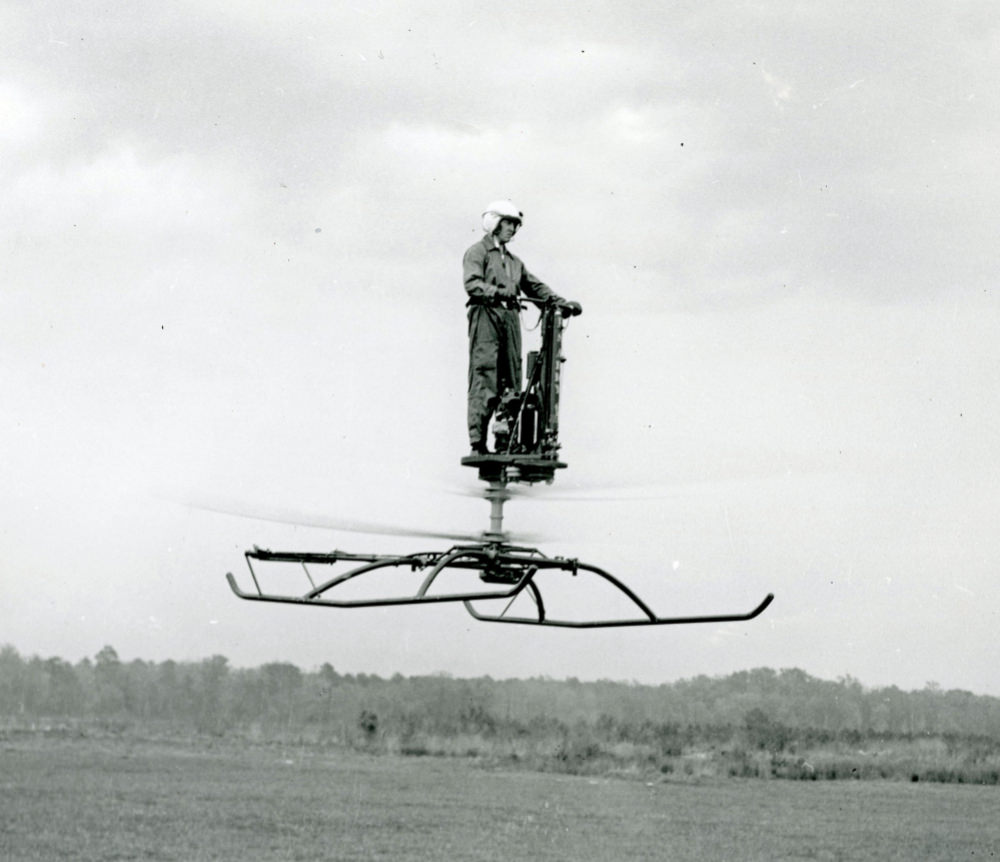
(526, 451)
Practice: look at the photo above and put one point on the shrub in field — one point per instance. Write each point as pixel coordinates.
(578, 752)
(368, 723)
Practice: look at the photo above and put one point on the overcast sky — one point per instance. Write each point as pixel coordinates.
(231, 242)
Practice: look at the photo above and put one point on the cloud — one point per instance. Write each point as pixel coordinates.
(122, 192)
(714, 155)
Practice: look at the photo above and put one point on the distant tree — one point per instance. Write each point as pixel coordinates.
(167, 689)
(281, 685)
(210, 694)
(138, 688)
(324, 684)
(34, 686)
(86, 674)
(109, 680)
(764, 733)
(65, 693)
(12, 672)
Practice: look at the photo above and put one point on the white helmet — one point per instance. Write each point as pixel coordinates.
(498, 210)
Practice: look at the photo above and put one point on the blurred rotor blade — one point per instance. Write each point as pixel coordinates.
(307, 519)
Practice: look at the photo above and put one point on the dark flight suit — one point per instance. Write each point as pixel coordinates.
(493, 280)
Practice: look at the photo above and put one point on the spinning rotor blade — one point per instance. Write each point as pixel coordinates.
(305, 519)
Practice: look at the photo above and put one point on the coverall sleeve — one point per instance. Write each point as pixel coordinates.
(535, 288)
(474, 270)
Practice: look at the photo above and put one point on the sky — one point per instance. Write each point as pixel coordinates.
(232, 238)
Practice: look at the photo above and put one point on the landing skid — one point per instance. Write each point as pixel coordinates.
(514, 570)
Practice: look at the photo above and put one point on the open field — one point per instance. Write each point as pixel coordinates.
(102, 799)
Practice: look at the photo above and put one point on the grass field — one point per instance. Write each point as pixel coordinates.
(115, 799)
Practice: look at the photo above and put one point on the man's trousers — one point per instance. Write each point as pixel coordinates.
(494, 363)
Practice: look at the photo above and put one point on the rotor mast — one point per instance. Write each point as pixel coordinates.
(497, 494)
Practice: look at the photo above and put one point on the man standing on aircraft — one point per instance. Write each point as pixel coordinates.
(494, 279)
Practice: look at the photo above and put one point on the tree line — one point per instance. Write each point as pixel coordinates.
(211, 696)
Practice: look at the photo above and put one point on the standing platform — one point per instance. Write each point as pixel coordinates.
(514, 468)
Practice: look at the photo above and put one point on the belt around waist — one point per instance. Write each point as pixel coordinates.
(495, 302)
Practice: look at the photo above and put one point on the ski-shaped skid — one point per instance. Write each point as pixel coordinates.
(649, 618)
